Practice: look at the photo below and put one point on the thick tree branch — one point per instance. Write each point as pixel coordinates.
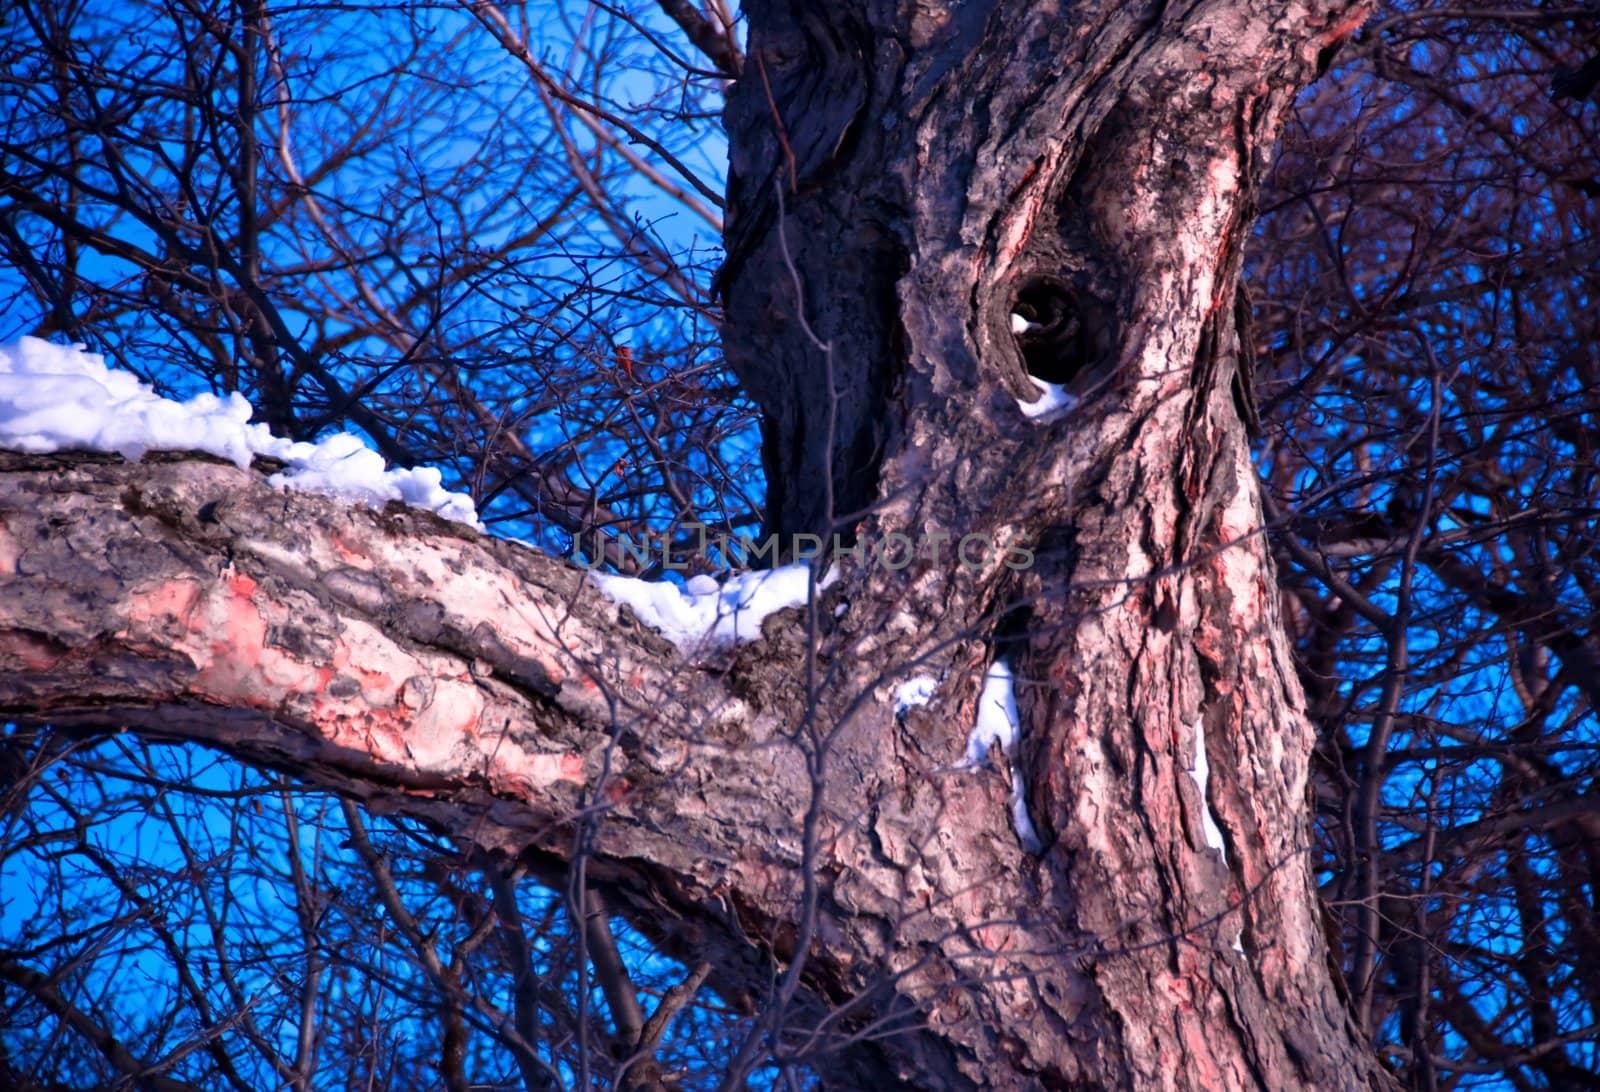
(391, 656)
(417, 666)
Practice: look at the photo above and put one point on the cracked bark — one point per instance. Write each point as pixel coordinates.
(906, 176)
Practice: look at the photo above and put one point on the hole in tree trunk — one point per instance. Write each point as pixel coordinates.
(1050, 331)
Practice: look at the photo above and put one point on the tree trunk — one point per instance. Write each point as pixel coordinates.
(903, 182)
(1090, 169)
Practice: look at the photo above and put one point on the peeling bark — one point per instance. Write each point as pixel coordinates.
(903, 180)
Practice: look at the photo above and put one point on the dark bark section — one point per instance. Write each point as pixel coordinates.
(812, 257)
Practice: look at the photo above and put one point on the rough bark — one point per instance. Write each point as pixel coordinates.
(1091, 164)
(902, 181)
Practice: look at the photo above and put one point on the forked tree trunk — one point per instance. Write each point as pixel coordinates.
(904, 180)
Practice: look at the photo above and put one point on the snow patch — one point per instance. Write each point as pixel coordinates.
(704, 614)
(1021, 324)
(56, 398)
(1201, 772)
(1020, 819)
(999, 725)
(1052, 403)
(702, 584)
(915, 691)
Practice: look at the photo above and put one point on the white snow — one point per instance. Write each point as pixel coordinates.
(999, 725)
(703, 614)
(701, 584)
(1202, 775)
(58, 398)
(1051, 404)
(915, 691)
(1020, 324)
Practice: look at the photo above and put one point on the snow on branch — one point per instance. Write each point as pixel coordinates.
(703, 614)
(58, 398)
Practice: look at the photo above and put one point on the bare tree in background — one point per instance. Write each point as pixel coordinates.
(561, 853)
(406, 222)
(1424, 285)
